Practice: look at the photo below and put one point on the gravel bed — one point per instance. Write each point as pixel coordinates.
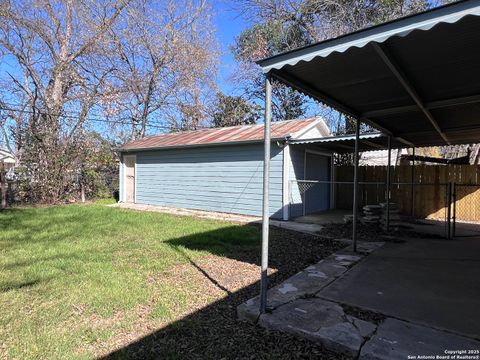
(373, 233)
(213, 332)
(344, 231)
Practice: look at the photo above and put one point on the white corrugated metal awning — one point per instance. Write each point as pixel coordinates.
(379, 34)
(415, 78)
(346, 144)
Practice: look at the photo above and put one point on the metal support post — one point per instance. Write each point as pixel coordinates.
(389, 139)
(412, 211)
(265, 210)
(355, 186)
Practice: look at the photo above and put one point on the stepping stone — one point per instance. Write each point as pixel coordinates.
(397, 339)
(309, 281)
(321, 321)
(249, 311)
(364, 327)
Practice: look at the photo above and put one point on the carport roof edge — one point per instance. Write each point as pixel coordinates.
(415, 79)
(449, 13)
(346, 143)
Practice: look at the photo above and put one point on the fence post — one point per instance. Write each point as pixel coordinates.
(449, 210)
(454, 209)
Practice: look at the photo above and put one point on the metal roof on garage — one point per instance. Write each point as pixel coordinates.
(346, 144)
(280, 130)
(415, 78)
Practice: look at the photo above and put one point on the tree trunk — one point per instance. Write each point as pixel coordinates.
(82, 192)
(3, 189)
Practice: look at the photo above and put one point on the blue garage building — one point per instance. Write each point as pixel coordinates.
(222, 169)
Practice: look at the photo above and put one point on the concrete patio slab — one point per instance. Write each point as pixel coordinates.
(242, 219)
(299, 305)
(313, 229)
(397, 339)
(430, 282)
(333, 216)
(306, 228)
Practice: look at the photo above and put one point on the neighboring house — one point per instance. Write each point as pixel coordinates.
(222, 169)
(7, 160)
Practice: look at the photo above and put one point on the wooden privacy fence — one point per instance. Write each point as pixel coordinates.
(430, 189)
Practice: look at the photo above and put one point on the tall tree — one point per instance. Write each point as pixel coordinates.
(55, 46)
(165, 56)
(260, 41)
(231, 110)
(138, 63)
(282, 25)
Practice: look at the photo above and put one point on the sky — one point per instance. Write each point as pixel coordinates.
(229, 25)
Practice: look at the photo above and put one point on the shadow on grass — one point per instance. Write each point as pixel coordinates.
(213, 332)
(9, 286)
(242, 243)
(35, 227)
(18, 264)
(202, 271)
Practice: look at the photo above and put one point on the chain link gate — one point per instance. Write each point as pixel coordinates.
(305, 194)
(465, 210)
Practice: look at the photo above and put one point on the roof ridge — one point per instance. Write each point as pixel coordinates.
(183, 132)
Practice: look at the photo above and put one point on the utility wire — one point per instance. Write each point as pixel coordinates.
(121, 121)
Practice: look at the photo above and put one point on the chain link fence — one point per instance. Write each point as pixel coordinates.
(466, 209)
(411, 205)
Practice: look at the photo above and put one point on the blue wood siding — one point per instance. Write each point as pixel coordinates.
(218, 178)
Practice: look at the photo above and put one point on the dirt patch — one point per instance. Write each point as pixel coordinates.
(363, 314)
(209, 328)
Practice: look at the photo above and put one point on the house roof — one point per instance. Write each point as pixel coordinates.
(280, 130)
(415, 78)
(6, 157)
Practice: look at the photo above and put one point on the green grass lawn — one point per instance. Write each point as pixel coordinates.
(71, 277)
